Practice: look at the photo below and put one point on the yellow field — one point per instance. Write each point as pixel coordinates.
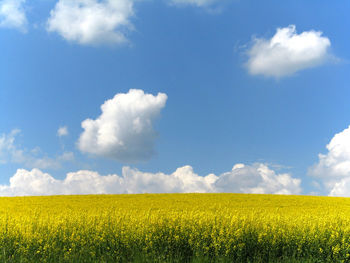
(175, 228)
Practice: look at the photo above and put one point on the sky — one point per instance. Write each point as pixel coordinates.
(163, 96)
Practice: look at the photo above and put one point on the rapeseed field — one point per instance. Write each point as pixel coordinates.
(175, 228)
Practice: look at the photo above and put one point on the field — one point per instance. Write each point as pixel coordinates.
(175, 228)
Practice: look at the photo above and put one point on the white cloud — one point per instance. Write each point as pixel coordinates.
(333, 168)
(183, 180)
(199, 3)
(341, 188)
(257, 178)
(29, 183)
(62, 131)
(92, 22)
(12, 14)
(124, 131)
(7, 146)
(287, 52)
(10, 152)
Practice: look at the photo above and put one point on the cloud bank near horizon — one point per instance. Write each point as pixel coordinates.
(333, 168)
(257, 178)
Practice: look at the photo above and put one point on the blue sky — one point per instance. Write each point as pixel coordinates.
(203, 89)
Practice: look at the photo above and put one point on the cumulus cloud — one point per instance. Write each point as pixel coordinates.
(333, 168)
(62, 131)
(10, 152)
(36, 182)
(341, 188)
(199, 3)
(92, 22)
(124, 131)
(183, 180)
(287, 52)
(257, 178)
(12, 14)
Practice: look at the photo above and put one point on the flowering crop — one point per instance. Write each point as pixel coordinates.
(175, 228)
